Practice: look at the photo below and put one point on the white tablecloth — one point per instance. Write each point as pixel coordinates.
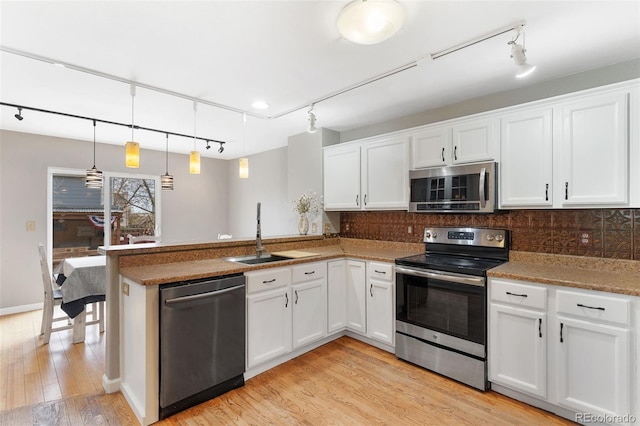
(85, 276)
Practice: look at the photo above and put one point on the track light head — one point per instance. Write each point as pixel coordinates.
(19, 114)
(221, 149)
(518, 55)
(312, 121)
(208, 146)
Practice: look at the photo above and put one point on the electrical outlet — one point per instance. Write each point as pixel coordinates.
(585, 238)
(31, 226)
(314, 228)
(346, 227)
(125, 289)
(327, 228)
(410, 230)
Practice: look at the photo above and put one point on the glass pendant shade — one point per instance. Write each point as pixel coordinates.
(132, 152)
(194, 162)
(243, 171)
(166, 182)
(370, 21)
(93, 178)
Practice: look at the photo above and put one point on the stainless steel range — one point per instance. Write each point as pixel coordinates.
(441, 297)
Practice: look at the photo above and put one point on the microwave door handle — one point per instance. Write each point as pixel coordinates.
(483, 176)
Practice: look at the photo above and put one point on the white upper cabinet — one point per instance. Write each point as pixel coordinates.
(463, 142)
(367, 176)
(526, 166)
(474, 140)
(595, 150)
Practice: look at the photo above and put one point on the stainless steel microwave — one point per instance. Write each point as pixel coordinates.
(468, 188)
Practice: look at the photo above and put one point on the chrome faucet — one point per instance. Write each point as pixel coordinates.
(259, 248)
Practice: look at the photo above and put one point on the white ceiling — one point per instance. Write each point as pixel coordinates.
(287, 53)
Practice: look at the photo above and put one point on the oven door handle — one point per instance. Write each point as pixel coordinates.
(454, 278)
(483, 177)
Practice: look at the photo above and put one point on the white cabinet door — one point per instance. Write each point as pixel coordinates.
(593, 367)
(431, 147)
(385, 174)
(309, 311)
(380, 318)
(474, 140)
(268, 325)
(595, 144)
(517, 349)
(526, 166)
(336, 295)
(356, 299)
(341, 174)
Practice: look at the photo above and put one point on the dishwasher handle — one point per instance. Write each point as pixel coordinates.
(201, 295)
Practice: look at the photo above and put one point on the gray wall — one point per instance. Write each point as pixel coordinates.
(195, 210)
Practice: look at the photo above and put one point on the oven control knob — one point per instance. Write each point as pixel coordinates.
(499, 237)
(427, 234)
(434, 234)
(490, 237)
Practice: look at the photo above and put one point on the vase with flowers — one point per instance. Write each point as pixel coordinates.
(306, 203)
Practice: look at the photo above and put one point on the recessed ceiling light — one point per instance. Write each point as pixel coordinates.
(260, 105)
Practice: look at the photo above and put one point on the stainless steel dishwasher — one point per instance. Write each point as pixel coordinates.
(202, 341)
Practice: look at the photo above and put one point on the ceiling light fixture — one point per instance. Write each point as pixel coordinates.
(370, 21)
(19, 114)
(312, 120)
(132, 148)
(208, 146)
(194, 156)
(243, 164)
(518, 55)
(93, 177)
(221, 149)
(259, 105)
(166, 180)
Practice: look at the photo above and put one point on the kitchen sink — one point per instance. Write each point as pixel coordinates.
(253, 259)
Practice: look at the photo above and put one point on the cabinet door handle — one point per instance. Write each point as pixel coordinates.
(443, 154)
(296, 292)
(379, 272)
(561, 326)
(357, 200)
(365, 199)
(286, 298)
(371, 290)
(540, 327)
(269, 281)
(516, 294)
(455, 153)
(310, 273)
(566, 190)
(580, 305)
(546, 193)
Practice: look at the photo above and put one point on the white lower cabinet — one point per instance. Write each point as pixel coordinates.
(571, 349)
(380, 297)
(336, 295)
(356, 282)
(309, 297)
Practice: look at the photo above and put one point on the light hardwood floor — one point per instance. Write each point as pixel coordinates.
(345, 382)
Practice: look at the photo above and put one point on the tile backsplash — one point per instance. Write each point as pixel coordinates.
(610, 233)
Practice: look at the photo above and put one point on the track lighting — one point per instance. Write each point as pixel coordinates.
(19, 114)
(518, 55)
(166, 180)
(194, 156)
(221, 149)
(93, 177)
(208, 146)
(312, 120)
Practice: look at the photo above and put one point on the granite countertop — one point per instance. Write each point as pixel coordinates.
(189, 270)
(608, 275)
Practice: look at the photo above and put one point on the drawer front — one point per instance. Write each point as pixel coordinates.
(518, 294)
(267, 279)
(594, 307)
(309, 272)
(381, 271)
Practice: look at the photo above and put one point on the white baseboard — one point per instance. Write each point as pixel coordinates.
(21, 308)
(110, 386)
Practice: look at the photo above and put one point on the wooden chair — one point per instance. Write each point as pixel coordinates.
(52, 298)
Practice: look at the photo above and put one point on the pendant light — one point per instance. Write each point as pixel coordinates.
(132, 149)
(194, 156)
(166, 180)
(243, 170)
(93, 178)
